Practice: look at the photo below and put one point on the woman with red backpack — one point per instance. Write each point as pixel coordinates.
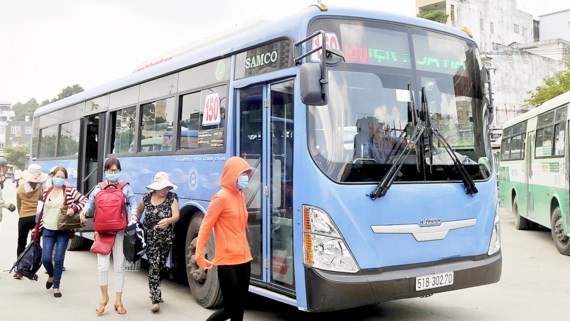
(112, 170)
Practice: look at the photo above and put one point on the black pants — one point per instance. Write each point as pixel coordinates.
(234, 282)
(25, 225)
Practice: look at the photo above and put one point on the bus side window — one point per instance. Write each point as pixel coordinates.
(123, 130)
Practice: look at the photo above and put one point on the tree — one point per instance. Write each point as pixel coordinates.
(552, 87)
(17, 155)
(23, 110)
(434, 15)
(68, 91)
(28, 109)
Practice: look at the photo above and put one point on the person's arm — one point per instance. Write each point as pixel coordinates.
(175, 211)
(214, 210)
(90, 204)
(140, 208)
(18, 201)
(130, 199)
(79, 199)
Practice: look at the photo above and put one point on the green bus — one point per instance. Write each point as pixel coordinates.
(533, 173)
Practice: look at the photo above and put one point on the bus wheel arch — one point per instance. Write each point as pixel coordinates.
(203, 284)
(521, 223)
(561, 240)
(75, 243)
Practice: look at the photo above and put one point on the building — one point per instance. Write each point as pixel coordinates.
(13, 133)
(506, 39)
(19, 132)
(6, 115)
(555, 25)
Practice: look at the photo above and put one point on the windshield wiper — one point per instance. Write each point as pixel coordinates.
(388, 179)
(470, 187)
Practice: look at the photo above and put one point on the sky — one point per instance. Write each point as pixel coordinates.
(46, 46)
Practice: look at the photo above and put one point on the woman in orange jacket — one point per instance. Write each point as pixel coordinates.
(227, 215)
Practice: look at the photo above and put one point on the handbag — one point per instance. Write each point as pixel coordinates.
(134, 245)
(103, 243)
(66, 222)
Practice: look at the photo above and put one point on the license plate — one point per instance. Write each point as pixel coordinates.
(431, 281)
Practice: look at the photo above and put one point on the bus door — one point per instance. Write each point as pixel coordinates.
(92, 132)
(265, 132)
(529, 174)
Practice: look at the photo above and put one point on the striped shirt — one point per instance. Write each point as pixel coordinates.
(73, 198)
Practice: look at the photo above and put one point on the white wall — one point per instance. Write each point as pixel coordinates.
(555, 25)
(516, 73)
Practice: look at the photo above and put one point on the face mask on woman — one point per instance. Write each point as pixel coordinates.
(112, 177)
(58, 181)
(242, 181)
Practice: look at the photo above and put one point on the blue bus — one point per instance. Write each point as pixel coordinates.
(304, 100)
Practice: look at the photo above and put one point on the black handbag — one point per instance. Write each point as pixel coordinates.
(134, 244)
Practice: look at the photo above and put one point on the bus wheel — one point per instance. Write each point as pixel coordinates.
(561, 241)
(75, 243)
(203, 284)
(521, 223)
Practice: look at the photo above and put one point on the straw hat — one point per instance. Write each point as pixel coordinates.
(161, 180)
(34, 174)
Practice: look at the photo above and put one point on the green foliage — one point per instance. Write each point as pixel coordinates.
(17, 155)
(434, 15)
(68, 91)
(28, 109)
(23, 110)
(552, 87)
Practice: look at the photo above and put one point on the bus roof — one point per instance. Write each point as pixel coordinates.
(226, 46)
(546, 106)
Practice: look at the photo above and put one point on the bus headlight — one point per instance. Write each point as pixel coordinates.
(495, 244)
(324, 247)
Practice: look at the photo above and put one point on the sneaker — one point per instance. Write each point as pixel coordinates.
(11, 208)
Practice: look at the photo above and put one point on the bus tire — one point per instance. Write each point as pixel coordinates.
(561, 240)
(203, 284)
(75, 243)
(521, 223)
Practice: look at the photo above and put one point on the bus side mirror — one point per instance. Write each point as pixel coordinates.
(311, 87)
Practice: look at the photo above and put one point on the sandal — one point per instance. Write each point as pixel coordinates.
(101, 308)
(120, 309)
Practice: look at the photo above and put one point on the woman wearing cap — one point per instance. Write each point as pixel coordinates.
(227, 215)
(60, 198)
(112, 169)
(27, 196)
(160, 208)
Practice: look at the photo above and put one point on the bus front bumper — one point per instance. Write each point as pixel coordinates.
(329, 291)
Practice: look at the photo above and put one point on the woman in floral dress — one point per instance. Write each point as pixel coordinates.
(160, 207)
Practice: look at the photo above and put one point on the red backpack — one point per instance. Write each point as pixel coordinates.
(110, 208)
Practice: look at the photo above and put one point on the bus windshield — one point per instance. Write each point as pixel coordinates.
(374, 95)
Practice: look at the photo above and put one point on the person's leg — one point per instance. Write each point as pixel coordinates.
(153, 256)
(227, 277)
(243, 274)
(25, 225)
(103, 263)
(48, 245)
(164, 249)
(60, 248)
(119, 265)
